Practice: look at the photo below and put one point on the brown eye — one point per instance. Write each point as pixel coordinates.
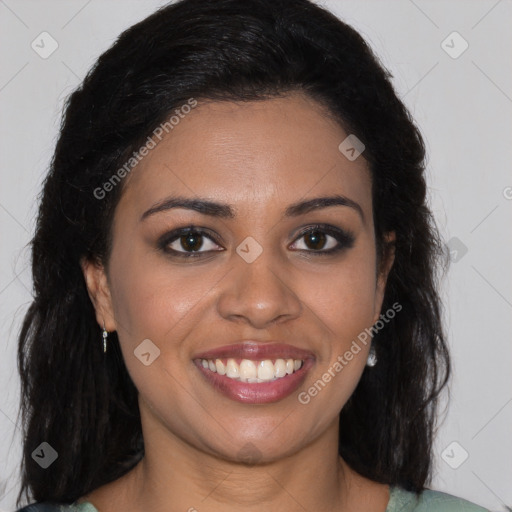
(323, 239)
(191, 242)
(315, 240)
(186, 241)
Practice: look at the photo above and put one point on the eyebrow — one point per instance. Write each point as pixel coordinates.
(225, 211)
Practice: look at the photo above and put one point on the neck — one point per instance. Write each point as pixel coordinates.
(315, 478)
(175, 474)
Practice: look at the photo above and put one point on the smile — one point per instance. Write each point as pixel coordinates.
(254, 372)
(246, 370)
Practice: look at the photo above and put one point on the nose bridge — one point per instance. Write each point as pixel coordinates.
(257, 290)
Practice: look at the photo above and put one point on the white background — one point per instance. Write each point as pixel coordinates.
(463, 106)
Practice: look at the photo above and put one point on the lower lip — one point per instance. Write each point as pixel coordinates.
(256, 392)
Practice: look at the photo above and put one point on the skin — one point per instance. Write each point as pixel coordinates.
(259, 157)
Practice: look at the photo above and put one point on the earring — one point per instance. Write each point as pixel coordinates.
(105, 334)
(372, 356)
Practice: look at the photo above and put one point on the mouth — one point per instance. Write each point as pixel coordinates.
(255, 373)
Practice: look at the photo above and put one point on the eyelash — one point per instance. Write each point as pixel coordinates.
(344, 238)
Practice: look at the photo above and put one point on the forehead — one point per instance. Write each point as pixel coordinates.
(253, 155)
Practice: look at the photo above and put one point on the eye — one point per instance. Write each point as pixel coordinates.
(323, 239)
(184, 242)
(193, 242)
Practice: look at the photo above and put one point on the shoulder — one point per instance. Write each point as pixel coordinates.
(58, 507)
(429, 501)
(41, 507)
(441, 501)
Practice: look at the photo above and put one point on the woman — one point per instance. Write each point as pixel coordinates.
(235, 277)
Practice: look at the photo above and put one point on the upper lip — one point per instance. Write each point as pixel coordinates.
(249, 349)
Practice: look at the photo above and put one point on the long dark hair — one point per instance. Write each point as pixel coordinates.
(84, 403)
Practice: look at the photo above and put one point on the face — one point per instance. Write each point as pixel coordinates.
(263, 276)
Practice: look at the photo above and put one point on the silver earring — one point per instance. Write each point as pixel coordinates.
(372, 356)
(105, 334)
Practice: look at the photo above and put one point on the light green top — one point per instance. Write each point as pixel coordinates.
(399, 501)
(429, 501)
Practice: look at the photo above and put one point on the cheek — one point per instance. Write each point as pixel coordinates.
(170, 305)
(152, 304)
(343, 301)
(342, 297)
(150, 295)
(156, 306)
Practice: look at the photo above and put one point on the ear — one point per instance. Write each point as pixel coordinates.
(387, 260)
(99, 293)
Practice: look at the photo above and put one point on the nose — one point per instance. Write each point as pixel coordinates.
(258, 294)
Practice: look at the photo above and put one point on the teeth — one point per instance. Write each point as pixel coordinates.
(248, 370)
(280, 368)
(265, 370)
(253, 371)
(219, 366)
(232, 369)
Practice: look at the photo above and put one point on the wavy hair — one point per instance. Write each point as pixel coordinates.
(83, 403)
